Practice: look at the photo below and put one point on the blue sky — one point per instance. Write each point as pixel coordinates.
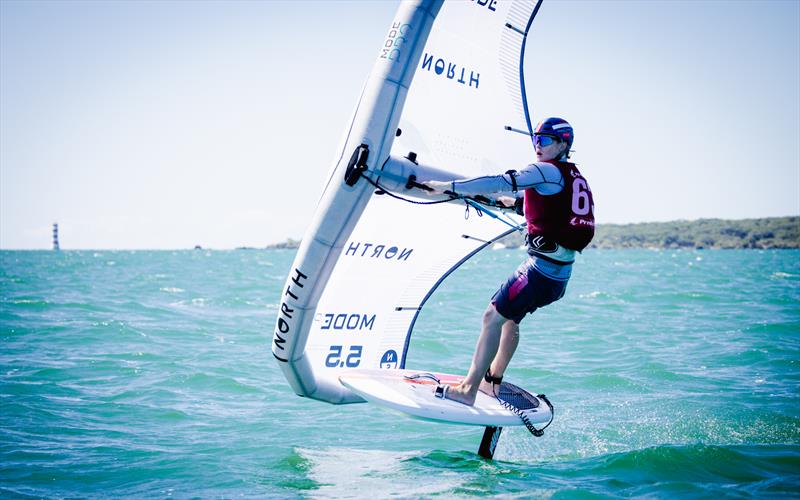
(170, 124)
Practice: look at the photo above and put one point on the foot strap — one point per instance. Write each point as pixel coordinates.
(492, 380)
(441, 391)
(424, 375)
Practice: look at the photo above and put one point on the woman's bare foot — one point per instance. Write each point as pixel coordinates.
(459, 394)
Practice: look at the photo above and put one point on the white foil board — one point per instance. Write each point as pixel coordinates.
(392, 389)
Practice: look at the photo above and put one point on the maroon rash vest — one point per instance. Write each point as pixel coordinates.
(566, 217)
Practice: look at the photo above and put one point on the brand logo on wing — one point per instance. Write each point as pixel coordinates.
(377, 251)
(283, 327)
(394, 40)
(389, 360)
(346, 321)
(489, 4)
(450, 70)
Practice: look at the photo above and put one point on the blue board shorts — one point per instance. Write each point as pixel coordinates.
(525, 291)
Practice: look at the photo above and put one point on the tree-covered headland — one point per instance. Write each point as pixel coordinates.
(773, 232)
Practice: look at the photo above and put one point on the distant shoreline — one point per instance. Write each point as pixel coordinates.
(763, 233)
(713, 234)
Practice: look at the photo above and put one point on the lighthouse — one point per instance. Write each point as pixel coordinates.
(55, 237)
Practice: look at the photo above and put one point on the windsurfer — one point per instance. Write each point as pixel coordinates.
(559, 210)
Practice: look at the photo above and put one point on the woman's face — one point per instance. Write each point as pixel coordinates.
(550, 152)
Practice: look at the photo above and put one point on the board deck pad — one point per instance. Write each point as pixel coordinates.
(411, 392)
(517, 397)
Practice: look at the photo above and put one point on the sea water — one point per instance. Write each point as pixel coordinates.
(149, 374)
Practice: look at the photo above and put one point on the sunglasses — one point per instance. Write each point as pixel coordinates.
(544, 140)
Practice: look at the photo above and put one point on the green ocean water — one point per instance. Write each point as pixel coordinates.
(149, 374)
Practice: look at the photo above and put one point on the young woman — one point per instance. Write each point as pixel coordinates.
(559, 210)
